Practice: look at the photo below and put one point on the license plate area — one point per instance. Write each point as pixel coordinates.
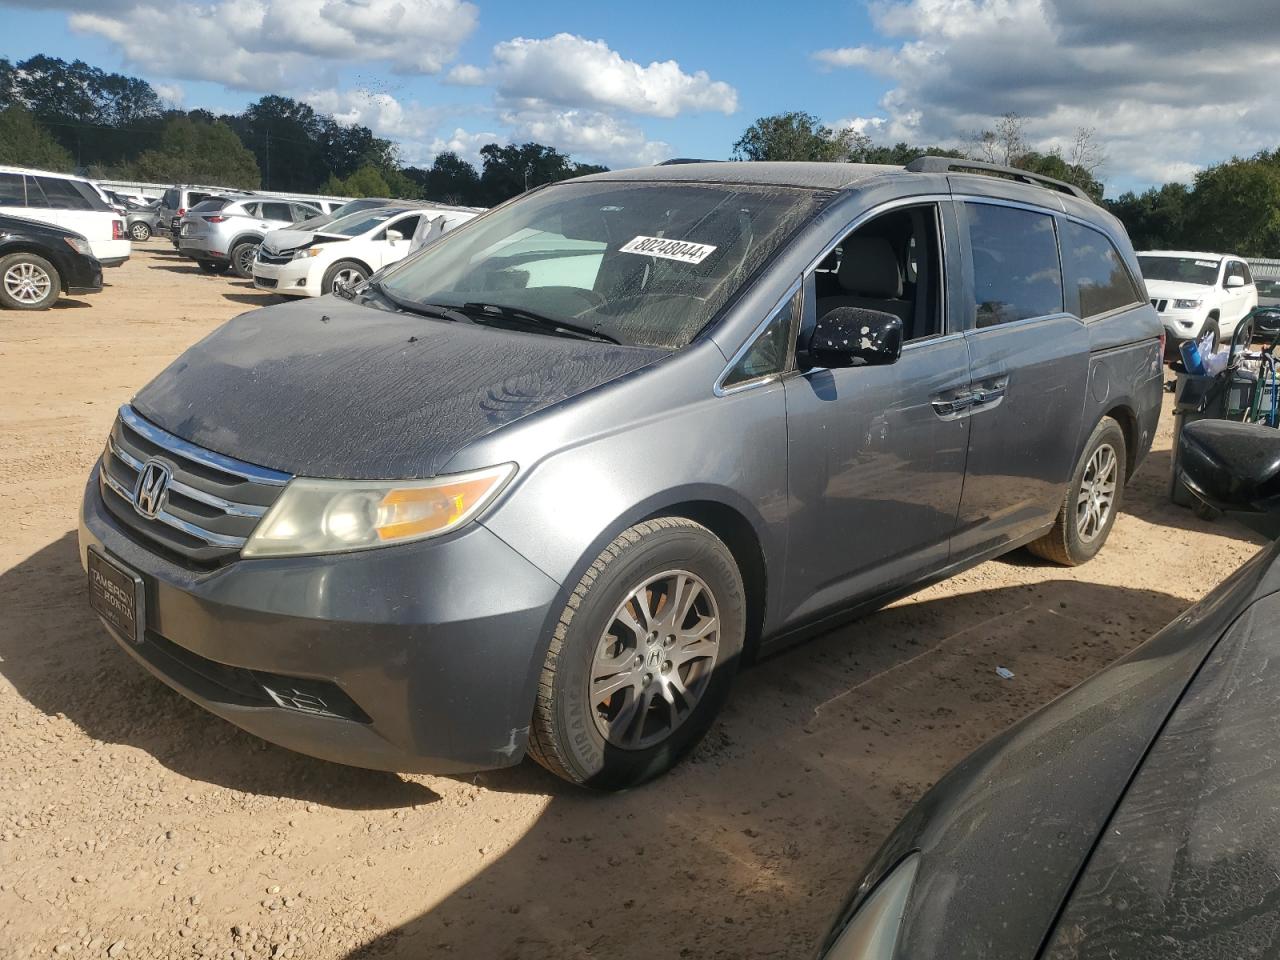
(116, 594)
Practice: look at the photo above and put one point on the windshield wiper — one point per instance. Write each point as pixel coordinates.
(436, 310)
(521, 315)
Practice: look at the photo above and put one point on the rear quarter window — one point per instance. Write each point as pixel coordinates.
(12, 191)
(1102, 280)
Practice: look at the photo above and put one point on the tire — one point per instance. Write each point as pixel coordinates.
(344, 272)
(1085, 519)
(213, 266)
(1211, 326)
(28, 282)
(609, 744)
(140, 231)
(242, 256)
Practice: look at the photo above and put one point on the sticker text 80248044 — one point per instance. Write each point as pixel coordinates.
(683, 250)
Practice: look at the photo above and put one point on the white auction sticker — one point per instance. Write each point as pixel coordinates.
(681, 250)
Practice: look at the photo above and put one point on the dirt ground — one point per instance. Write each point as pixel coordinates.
(133, 824)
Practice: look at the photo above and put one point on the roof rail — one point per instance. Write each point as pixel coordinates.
(677, 160)
(931, 164)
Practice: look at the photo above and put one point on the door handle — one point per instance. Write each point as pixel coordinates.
(948, 408)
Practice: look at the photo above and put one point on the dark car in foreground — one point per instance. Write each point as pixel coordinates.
(1136, 816)
(39, 261)
(540, 486)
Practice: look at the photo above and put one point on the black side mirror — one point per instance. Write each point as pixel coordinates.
(851, 337)
(1232, 466)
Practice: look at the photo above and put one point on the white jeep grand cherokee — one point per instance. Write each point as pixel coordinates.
(1198, 292)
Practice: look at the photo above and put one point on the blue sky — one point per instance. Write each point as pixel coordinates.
(623, 84)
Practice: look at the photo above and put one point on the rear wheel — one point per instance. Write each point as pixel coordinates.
(1093, 499)
(642, 658)
(242, 256)
(28, 282)
(343, 274)
(213, 266)
(140, 230)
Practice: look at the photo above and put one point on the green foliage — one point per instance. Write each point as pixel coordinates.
(1157, 218)
(197, 152)
(796, 136)
(1235, 206)
(24, 143)
(509, 171)
(1053, 165)
(450, 179)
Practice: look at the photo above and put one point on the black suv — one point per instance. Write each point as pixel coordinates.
(38, 261)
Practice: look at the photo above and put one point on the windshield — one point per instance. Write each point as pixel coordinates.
(642, 263)
(359, 223)
(1180, 270)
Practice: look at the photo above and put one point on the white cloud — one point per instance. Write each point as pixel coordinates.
(466, 145)
(1152, 76)
(267, 45)
(569, 71)
(170, 94)
(589, 135)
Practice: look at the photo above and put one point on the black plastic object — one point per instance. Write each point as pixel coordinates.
(932, 164)
(854, 336)
(1232, 466)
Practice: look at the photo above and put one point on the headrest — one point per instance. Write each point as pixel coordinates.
(869, 268)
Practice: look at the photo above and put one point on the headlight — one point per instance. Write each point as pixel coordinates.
(1186, 304)
(309, 252)
(79, 246)
(334, 516)
(872, 933)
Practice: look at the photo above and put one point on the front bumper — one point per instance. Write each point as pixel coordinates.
(294, 278)
(437, 644)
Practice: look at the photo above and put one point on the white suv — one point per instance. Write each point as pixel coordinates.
(70, 202)
(223, 233)
(1198, 292)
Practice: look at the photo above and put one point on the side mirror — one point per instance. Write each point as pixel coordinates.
(1230, 465)
(851, 337)
(1233, 282)
(394, 236)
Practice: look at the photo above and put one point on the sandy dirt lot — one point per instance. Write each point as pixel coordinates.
(132, 824)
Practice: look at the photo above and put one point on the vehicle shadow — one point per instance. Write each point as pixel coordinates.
(60, 659)
(747, 849)
(255, 299)
(184, 266)
(65, 303)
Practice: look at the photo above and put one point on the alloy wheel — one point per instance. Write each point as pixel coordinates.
(1097, 493)
(140, 232)
(347, 277)
(245, 257)
(27, 282)
(654, 660)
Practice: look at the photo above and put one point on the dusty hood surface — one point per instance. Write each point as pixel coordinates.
(282, 241)
(327, 388)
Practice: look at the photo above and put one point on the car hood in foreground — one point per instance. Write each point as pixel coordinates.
(1189, 866)
(328, 388)
(1004, 835)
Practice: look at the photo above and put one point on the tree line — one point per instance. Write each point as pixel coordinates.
(64, 115)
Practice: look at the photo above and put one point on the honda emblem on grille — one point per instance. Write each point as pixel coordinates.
(152, 485)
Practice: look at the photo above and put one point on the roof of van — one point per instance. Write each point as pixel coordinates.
(822, 176)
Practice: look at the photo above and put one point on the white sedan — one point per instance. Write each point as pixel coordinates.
(347, 251)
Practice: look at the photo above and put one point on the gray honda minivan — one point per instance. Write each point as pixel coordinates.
(540, 487)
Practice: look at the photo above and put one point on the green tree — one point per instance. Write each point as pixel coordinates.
(511, 170)
(1155, 219)
(797, 136)
(24, 143)
(1235, 206)
(449, 179)
(193, 152)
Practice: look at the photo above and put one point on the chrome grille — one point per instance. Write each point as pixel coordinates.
(211, 504)
(274, 258)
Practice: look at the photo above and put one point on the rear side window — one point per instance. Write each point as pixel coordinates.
(63, 195)
(12, 191)
(210, 206)
(276, 211)
(1016, 271)
(1102, 280)
(1235, 268)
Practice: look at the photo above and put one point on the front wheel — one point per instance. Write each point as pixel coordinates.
(1093, 499)
(28, 282)
(140, 231)
(343, 275)
(642, 658)
(1211, 326)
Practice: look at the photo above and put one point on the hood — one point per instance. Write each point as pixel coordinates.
(284, 241)
(1174, 289)
(327, 388)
